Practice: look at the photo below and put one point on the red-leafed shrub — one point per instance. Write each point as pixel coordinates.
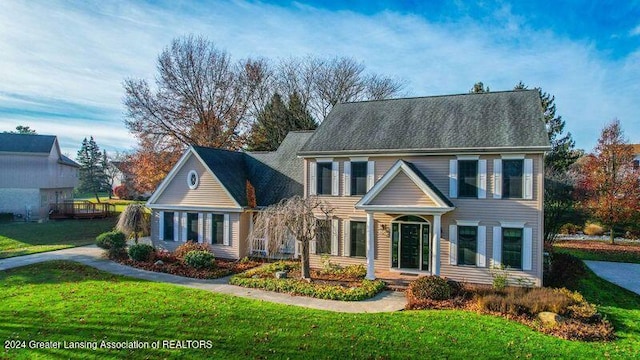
(181, 251)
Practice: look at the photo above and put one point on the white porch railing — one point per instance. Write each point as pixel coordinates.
(262, 247)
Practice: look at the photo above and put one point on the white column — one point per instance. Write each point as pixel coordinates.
(435, 248)
(370, 249)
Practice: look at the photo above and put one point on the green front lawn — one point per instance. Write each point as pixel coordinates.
(62, 301)
(27, 238)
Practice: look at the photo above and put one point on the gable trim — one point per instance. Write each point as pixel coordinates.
(174, 171)
(401, 166)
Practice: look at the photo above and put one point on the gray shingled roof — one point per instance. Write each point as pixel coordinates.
(509, 119)
(274, 175)
(22, 143)
(66, 161)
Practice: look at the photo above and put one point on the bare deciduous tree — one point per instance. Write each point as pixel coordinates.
(202, 97)
(321, 83)
(296, 219)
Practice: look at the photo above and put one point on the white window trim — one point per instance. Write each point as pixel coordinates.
(347, 178)
(453, 178)
(513, 224)
(359, 159)
(226, 240)
(161, 225)
(512, 156)
(467, 223)
(193, 186)
(335, 234)
(468, 157)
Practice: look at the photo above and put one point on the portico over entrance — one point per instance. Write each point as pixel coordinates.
(415, 231)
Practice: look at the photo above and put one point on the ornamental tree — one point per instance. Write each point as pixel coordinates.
(609, 184)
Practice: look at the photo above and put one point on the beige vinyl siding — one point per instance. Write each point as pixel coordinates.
(220, 251)
(208, 193)
(488, 211)
(402, 191)
(243, 245)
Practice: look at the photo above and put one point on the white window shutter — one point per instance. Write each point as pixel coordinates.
(347, 178)
(527, 248)
(335, 178)
(528, 179)
(453, 178)
(346, 251)
(226, 230)
(313, 184)
(481, 255)
(453, 245)
(497, 178)
(176, 226)
(497, 246)
(313, 247)
(183, 224)
(371, 173)
(482, 179)
(208, 236)
(161, 225)
(334, 236)
(200, 227)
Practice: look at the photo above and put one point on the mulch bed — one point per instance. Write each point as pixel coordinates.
(599, 246)
(223, 268)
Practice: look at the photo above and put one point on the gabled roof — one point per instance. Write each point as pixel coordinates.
(465, 122)
(442, 203)
(23, 143)
(66, 161)
(274, 175)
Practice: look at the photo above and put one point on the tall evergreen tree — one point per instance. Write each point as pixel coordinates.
(92, 175)
(479, 88)
(563, 153)
(276, 120)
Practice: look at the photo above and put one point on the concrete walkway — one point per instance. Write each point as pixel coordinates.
(386, 301)
(625, 275)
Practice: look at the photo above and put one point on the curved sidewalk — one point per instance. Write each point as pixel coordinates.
(386, 301)
(625, 275)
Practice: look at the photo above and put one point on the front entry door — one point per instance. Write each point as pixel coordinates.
(410, 236)
(410, 246)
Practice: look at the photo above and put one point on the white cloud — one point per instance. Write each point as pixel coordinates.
(80, 54)
(635, 31)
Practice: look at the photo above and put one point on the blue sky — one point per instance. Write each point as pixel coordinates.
(62, 63)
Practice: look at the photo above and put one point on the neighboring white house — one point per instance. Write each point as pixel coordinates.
(636, 158)
(33, 175)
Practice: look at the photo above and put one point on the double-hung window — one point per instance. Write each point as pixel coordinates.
(512, 178)
(217, 229)
(324, 178)
(358, 178)
(512, 247)
(467, 245)
(468, 178)
(323, 237)
(168, 225)
(358, 238)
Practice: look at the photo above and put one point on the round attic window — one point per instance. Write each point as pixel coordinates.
(192, 179)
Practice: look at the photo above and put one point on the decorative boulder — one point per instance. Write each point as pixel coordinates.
(158, 263)
(281, 274)
(549, 318)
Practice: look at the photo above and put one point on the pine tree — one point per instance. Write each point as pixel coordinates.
(276, 120)
(563, 153)
(92, 176)
(479, 88)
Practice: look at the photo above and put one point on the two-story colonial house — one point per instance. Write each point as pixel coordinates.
(446, 185)
(34, 174)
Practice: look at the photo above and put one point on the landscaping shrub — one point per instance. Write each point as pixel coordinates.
(111, 239)
(181, 251)
(593, 230)
(432, 288)
(530, 302)
(563, 270)
(199, 259)
(264, 278)
(165, 256)
(356, 271)
(569, 229)
(141, 252)
(6, 217)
